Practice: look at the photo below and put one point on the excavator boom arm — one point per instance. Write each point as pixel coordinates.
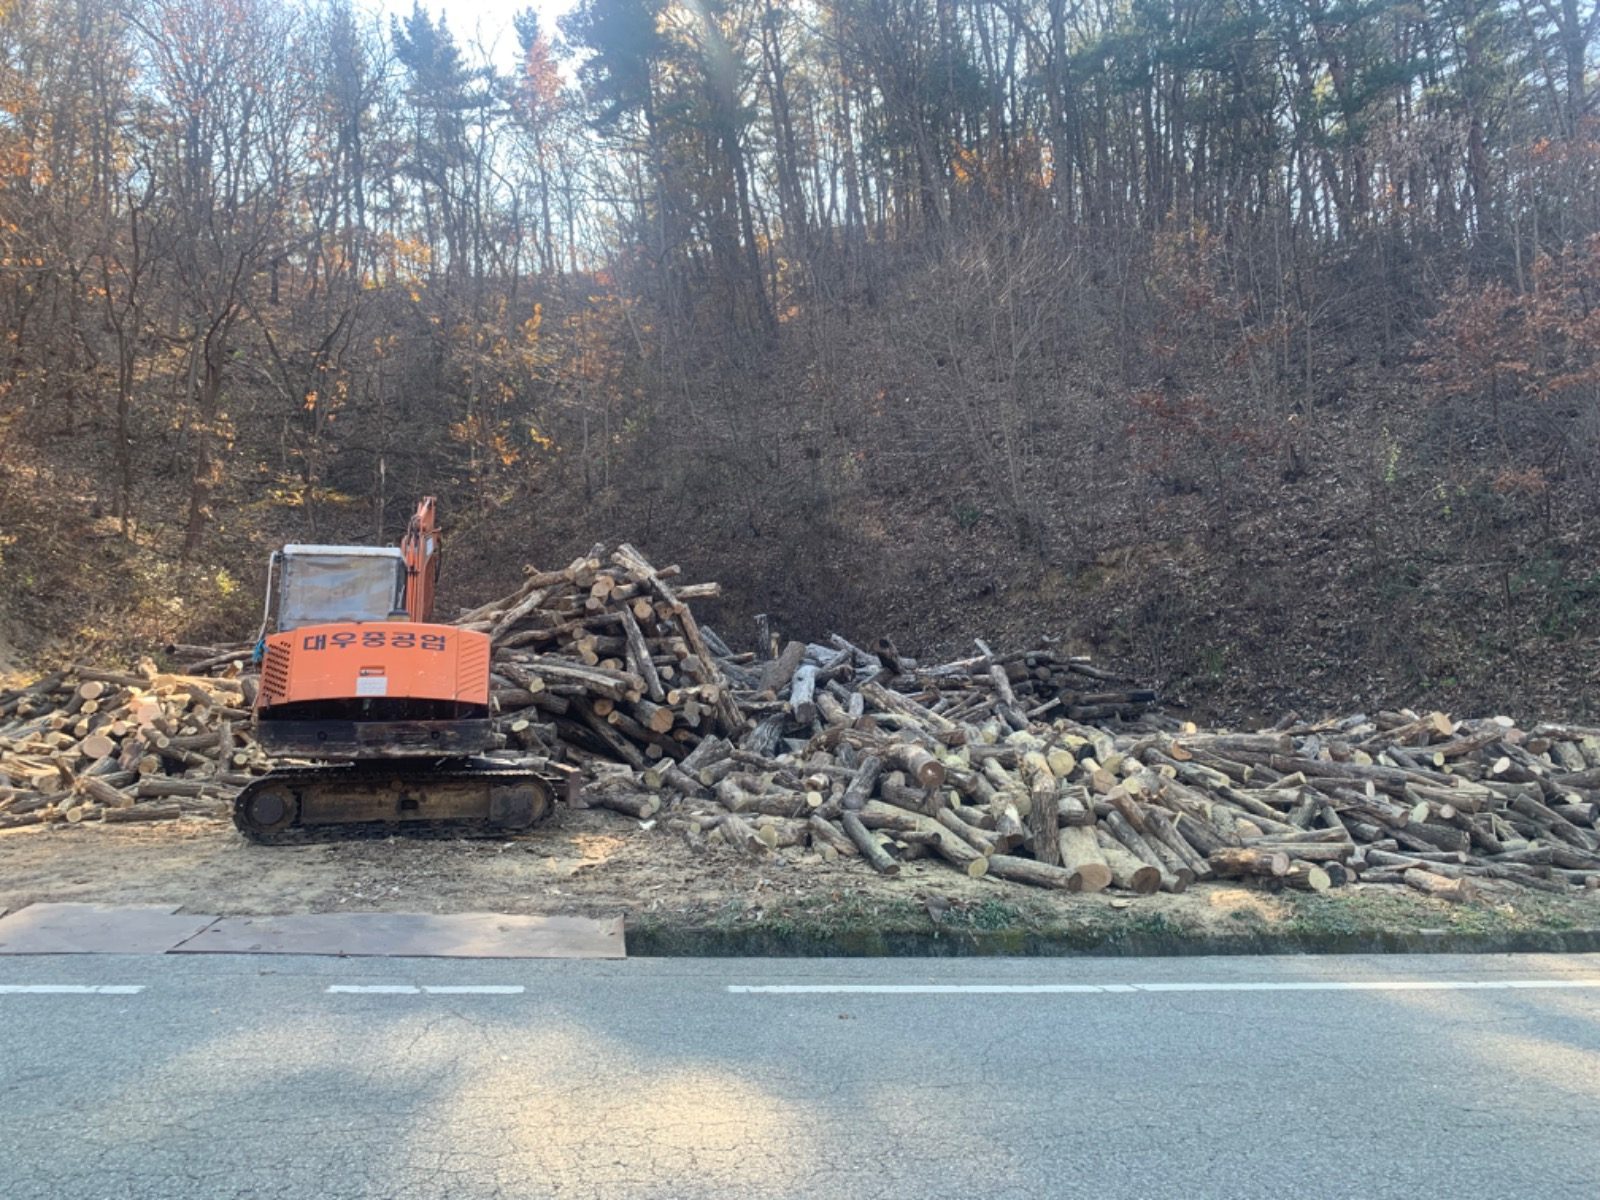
(421, 546)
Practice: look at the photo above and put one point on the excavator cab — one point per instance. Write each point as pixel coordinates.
(318, 585)
(356, 673)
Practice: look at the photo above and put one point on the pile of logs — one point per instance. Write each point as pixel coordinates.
(1033, 767)
(604, 661)
(1401, 799)
(144, 745)
(991, 764)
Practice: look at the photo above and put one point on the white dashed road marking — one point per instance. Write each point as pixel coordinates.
(407, 989)
(71, 989)
(478, 990)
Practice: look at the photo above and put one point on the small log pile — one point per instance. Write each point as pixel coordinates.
(603, 661)
(142, 745)
(1032, 767)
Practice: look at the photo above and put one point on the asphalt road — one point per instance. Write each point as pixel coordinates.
(225, 1077)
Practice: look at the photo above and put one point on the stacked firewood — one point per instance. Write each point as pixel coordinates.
(146, 745)
(604, 661)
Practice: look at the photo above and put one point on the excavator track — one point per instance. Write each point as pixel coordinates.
(452, 798)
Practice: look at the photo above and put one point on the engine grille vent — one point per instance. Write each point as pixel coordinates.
(472, 666)
(275, 674)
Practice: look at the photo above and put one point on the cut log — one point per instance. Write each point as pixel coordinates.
(1307, 877)
(868, 845)
(1009, 832)
(159, 788)
(1161, 827)
(1026, 870)
(1438, 885)
(971, 834)
(96, 746)
(1127, 872)
(1044, 815)
(657, 718)
(862, 783)
(917, 763)
(738, 834)
(1080, 855)
(877, 815)
(103, 794)
(829, 834)
(777, 673)
(143, 812)
(1231, 862)
(802, 694)
(639, 805)
(1174, 881)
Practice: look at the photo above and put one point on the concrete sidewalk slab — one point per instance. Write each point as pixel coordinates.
(66, 928)
(457, 935)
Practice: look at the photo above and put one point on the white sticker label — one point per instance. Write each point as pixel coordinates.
(372, 685)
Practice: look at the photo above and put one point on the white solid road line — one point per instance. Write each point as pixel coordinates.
(407, 989)
(1096, 989)
(71, 989)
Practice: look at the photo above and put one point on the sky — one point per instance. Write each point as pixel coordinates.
(485, 21)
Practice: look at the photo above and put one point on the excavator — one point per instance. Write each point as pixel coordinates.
(392, 708)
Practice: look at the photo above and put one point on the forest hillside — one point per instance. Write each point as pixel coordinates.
(1252, 345)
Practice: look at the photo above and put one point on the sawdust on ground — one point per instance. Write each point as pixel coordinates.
(597, 863)
(582, 862)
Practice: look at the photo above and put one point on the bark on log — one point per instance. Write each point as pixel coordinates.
(738, 834)
(1438, 885)
(1080, 855)
(862, 783)
(877, 815)
(917, 763)
(1231, 862)
(971, 834)
(1026, 870)
(802, 694)
(143, 812)
(1127, 872)
(868, 845)
(826, 832)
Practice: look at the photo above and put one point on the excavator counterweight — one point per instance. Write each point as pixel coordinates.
(357, 678)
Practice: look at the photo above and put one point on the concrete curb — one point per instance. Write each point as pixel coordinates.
(869, 942)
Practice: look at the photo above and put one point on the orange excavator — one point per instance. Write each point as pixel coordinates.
(392, 707)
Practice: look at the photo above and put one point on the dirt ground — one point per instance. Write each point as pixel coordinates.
(582, 862)
(596, 863)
